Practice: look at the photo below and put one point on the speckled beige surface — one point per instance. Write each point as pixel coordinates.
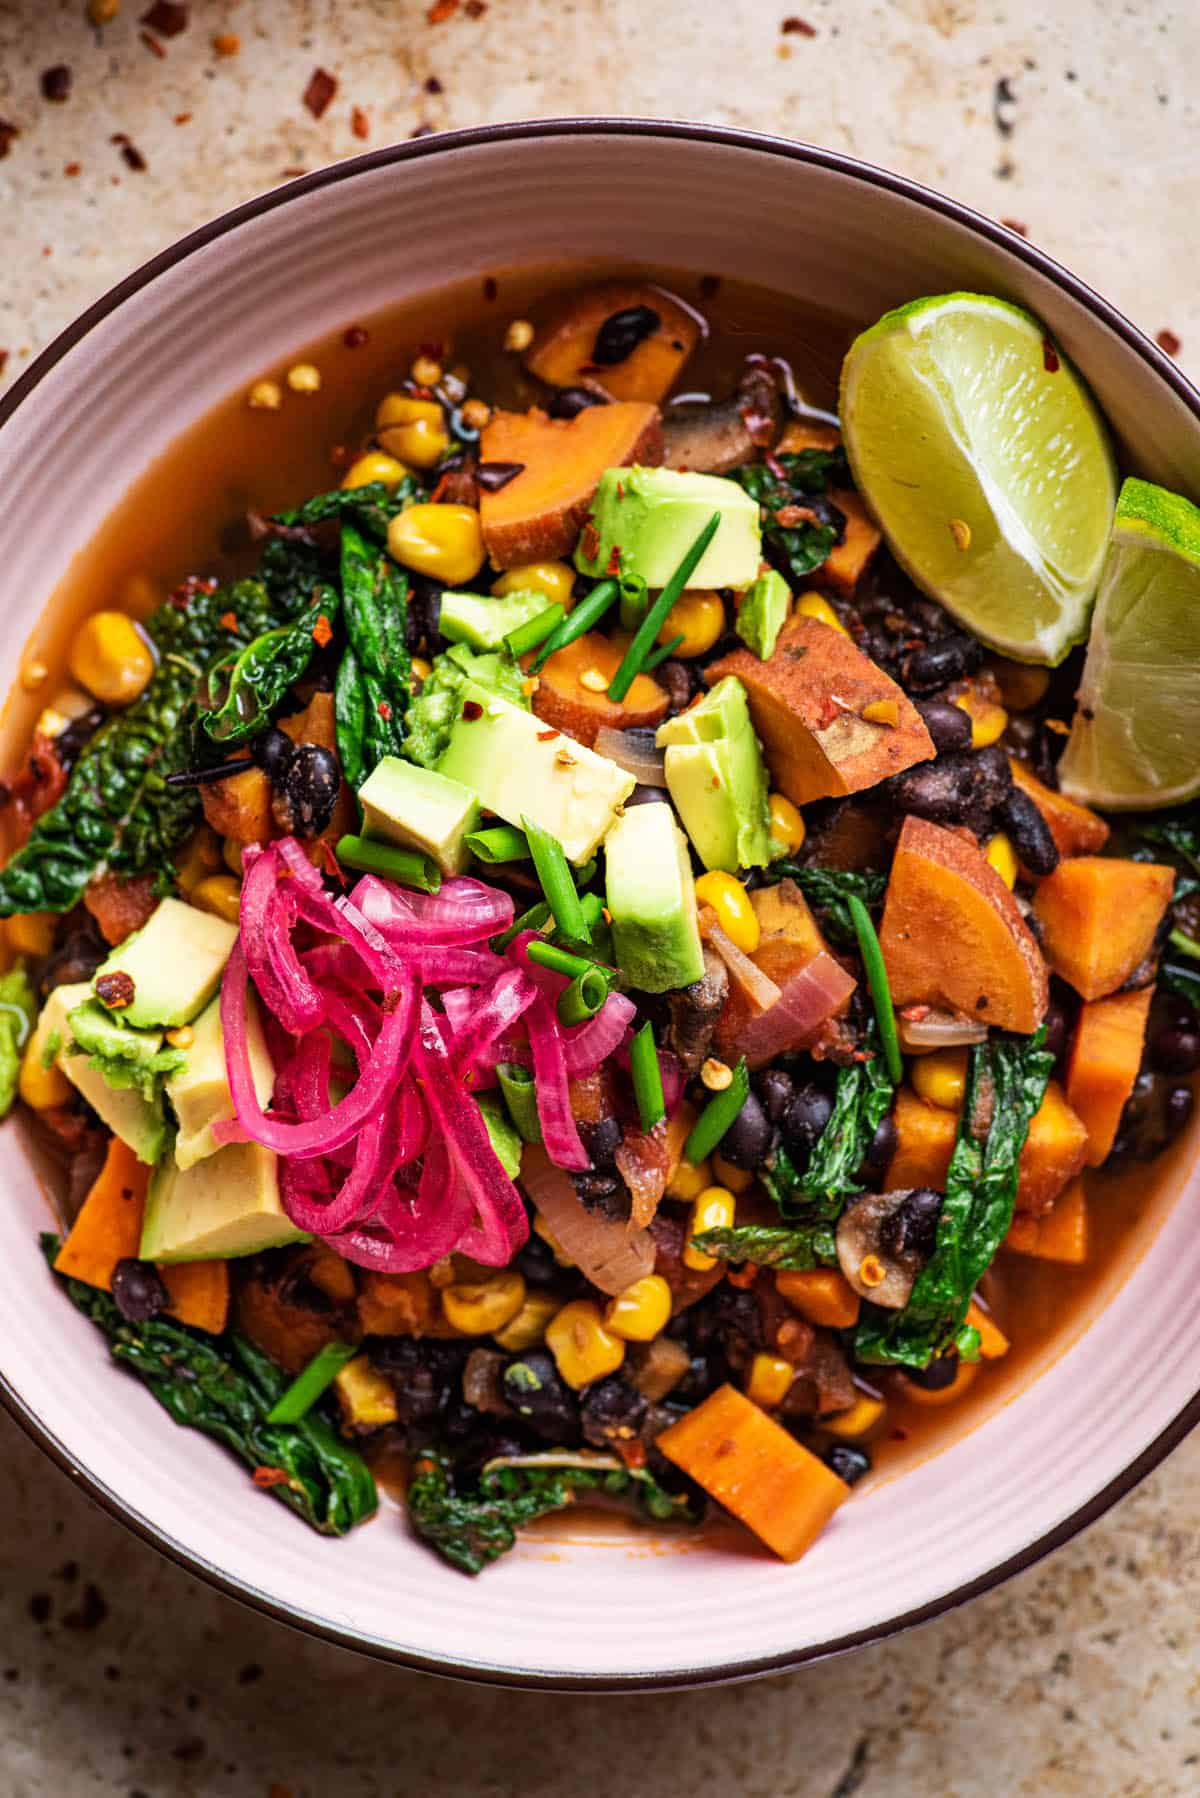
(118, 1674)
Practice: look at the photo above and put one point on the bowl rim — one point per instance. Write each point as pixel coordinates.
(646, 129)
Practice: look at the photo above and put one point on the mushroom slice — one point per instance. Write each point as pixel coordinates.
(719, 435)
(883, 1241)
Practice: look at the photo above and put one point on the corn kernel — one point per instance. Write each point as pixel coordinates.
(555, 579)
(541, 1228)
(220, 894)
(583, 1349)
(31, 932)
(200, 855)
(40, 1086)
(65, 705)
(420, 668)
(426, 371)
(366, 1397)
(941, 1078)
(881, 711)
(476, 414)
(443, 541)
(992, 1341)
(960, 530)
(815, 605)
(737, 1179)
(1021, 685)
(1003, 857)
(731, 902)
(787, 825)
(528, 1328)
(477, 1307)
(111, 658)
(376, 465)
(770, 1380)
(412, 430)
(716, 1075)
(519, 336)
(689, 1179)
(699, 616)
(940, 1395)
(989, 721)
(181, 1037)
(858, 1421)
(640, 1312)
(231, 854)
(713, 1209)
(304, 377)
(265, 396)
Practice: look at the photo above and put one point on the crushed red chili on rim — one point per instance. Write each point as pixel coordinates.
(360, 124)
(322, 86)
(167, 17)
(794, 27)
(56, 83)
(1168, 341)
(7, 133)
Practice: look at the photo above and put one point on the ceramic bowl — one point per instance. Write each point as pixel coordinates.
(204, 318)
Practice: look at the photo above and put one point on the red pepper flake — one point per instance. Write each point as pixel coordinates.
(129, 150)
(1050, 360)
(266, 1477)
(56, 83)
(152, 44)
(355, 336)
(433, 85)
(183, 118)
(548, 736)
(322, 86)
(228, 621)
(475, 9)
(167, 17)
(360, 124)
(590, 541)
(614, 560)
(115, 990)
(794, 27)
(472, 710)
(73, 168)
(227, 43)
(332, 865)
(441, 10)
(1168, 341)
(435, 498)
(292, 172)
(620, 490)
(385, 711)
(3, 361)
(1015, 225)
(7, 133)
(322, 631)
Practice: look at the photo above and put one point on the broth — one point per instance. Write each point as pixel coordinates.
(236, 459)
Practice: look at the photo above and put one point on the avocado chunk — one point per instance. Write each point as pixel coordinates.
(434, 709)
(419, 808)
(652, 898)
(484, 620)
(652, 516)
(763, 613)
(124, 1056)
(127, 1111)
(174, 964)
(520, 769)
(224, 1206)
(717, 779)
(199, 1090)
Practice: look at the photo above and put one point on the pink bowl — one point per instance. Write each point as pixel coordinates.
(201, 320)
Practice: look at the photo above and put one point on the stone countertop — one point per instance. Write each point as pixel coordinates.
(119, 1675)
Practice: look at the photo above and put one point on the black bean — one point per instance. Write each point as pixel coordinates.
(569, 402)
(646, 796)
(775, 1088)
(1029, 831)
(1177, 1109)
(424, 614)
(273, 752)
(941, 1372)
(540, 1397)
(611, 1412)
(912, 1228)
(681, 682)
(602, 1140)
(947, 724)
(311, 786)
(748, 1140)
(537, 1264)
(936, 664)
(69, 742)
(848, 1462)
(963, 787)
(880, 1150)
(621, 333)
(426, 1372)
(138, 1291)
(805, 1118)
(593, 1189)
(491, 476)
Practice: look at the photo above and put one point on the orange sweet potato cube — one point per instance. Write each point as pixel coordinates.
(563, 350)
(1106, 1053)
(1099, 916)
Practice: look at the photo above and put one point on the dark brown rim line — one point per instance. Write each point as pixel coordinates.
(809, 156)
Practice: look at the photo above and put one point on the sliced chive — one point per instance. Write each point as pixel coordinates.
(588, 612)
(717, 1116)
(652, 623)
(520, 1098)
(583, 998)
(592, 907)
(877, 981)
(502, 843)
(310, 1383)
(536, 918)
(408, 866)
(661, 653)
(527, 636)
(557, 883)
(1187, 945)
(585, 873)
(647, 1078)
(560, 961)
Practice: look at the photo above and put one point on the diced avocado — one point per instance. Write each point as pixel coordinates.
(175, 962)
(420, 809)
(652, 897)
(437, 705)
(483, 619)
(652, 516)
(506, 1138)
(763, 613)
(717, 779)
(223, 1206)
(136, 1119)
(199, 1091)
(519, 770)
(123, 1057)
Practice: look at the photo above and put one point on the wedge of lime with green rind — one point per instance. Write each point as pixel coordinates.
(1135, 739)
(987, 465)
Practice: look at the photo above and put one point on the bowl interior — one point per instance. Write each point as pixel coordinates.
(236, 300)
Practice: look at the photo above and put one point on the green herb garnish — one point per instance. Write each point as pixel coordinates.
(652, 623)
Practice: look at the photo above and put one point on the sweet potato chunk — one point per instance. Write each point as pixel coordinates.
(823, 1295)
(1062, 1235)
(239, 807)
(952, 935)
(802, 433)
(120, 906)
(563, 351)
(401, 1305)
(199, 1293)
(848, 560)
(1105, 1057)
(924, 1143)
(1099, 916)
(537, 516)
(1075, 829)
(562, 700)
(925, 1134)
(807, 701)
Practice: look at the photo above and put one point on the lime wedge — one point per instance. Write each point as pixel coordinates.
(1135, 740)
(984, 459)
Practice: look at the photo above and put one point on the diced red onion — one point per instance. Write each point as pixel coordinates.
(939, 1030)
(559, 1132)
(758, 988)
(587, 1045)
(633, 754)
(809, 998)
(412, 1230)
(493, 1012)
(611, 1254)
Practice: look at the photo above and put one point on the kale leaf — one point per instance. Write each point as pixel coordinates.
(795, 1248)
(828, 889)
(375, 603)
(1006, 1082)
(800, 482)
(862, 1099)
(243, 688)
(370, 508)
(224, 1387)
(472, 1528)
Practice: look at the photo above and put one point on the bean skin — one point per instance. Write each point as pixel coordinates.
(1029, 832)
(936, 664)
(947, 724)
